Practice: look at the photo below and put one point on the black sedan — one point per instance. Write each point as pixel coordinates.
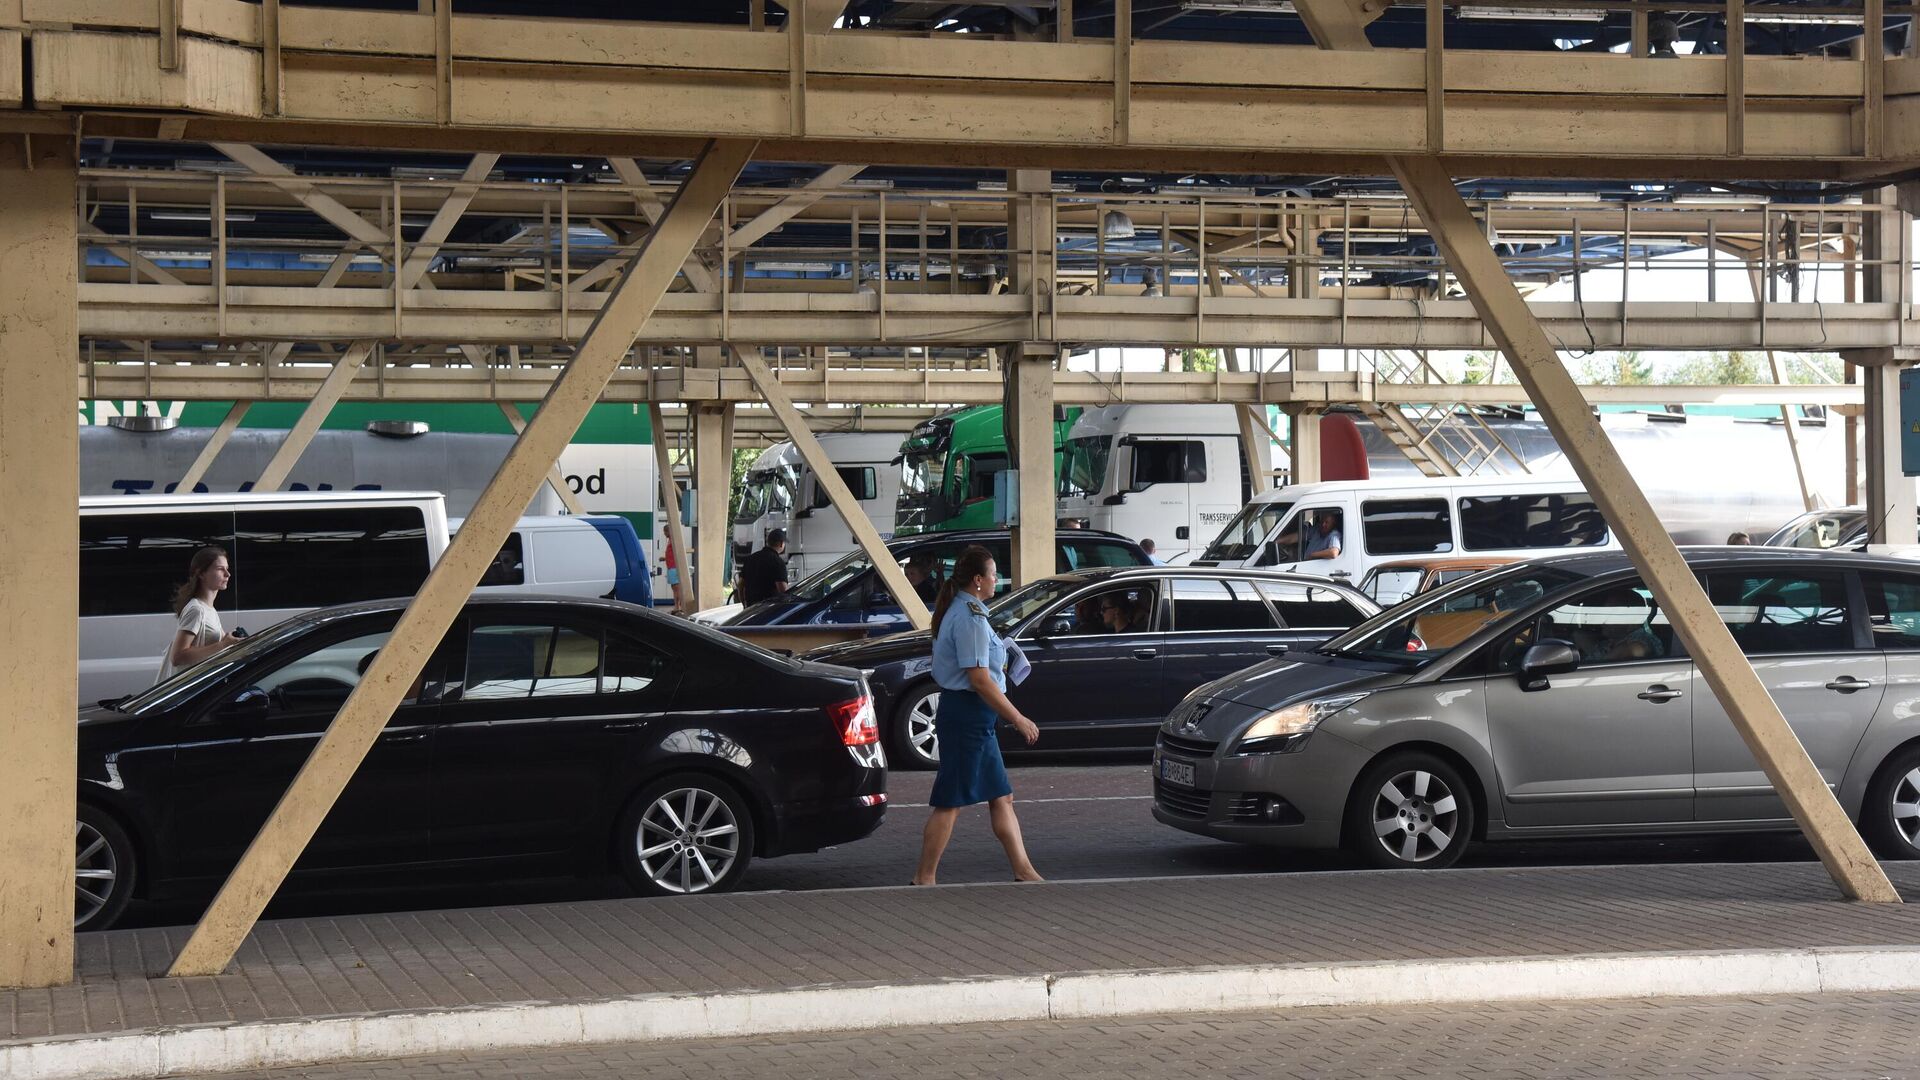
(1112, 650)
(546, 734)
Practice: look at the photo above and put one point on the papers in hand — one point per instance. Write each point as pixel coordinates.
(1017, 666)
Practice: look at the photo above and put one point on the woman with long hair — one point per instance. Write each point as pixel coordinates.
(970, 664)
(198, 634)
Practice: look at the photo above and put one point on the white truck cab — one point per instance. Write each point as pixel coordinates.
(1343, 528)
(1174, 474)
(781, 492)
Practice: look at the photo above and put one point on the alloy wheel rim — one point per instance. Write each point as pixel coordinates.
(96, 870)
(1415, 816)
(921, 737)
(1905, 807)
(688, 840)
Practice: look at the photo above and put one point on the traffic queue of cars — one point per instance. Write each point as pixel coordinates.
(1544, 698)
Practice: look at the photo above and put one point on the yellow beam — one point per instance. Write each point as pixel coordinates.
(1536, 362)
(555, 479)
(215, 444)
(825, 475)
(443, 595)
(39, 577)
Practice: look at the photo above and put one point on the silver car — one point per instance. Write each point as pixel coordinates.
(1552, 698)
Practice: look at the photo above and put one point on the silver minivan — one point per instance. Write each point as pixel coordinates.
(1552, 698)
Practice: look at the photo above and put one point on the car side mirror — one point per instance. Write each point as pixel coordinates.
(1553, 656)
(1056, 626)
(250, 705)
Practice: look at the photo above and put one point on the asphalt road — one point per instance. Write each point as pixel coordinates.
(1085, 817)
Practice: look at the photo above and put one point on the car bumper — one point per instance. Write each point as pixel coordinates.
(812, 826)
(1291, 800)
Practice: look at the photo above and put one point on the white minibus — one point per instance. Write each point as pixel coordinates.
(1370, 522)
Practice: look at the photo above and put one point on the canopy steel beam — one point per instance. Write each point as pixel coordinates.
(1715, 654)
(179, 382)
(670, 503)
(300, 435)
(828, 478)
(441, 598)
(555, 479)
(215, 443)
(852, 96)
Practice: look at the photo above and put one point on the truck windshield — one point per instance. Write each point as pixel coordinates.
(1083, 465)
(767, 491)
(1242, 536)
(1423, 630)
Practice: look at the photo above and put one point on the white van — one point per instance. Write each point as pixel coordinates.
(1174, 474)
(570, 555)
(781, 492)
(290, 553)
(1380, 521)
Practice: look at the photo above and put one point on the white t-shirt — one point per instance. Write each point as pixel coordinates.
(198, 619)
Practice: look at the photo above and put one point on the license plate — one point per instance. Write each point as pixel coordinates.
(1176, 772)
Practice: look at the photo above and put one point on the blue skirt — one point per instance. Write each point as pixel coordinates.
(971, 770)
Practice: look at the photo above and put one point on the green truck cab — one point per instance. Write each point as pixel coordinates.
(947, 466)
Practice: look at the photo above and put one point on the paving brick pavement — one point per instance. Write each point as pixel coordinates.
(581, 951)
(1833, 1038)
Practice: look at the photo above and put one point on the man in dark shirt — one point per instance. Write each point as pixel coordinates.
(763, 575)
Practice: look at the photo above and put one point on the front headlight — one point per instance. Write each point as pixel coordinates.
(1284, 729)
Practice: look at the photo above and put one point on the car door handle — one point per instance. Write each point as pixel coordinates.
(1847, 684)
(623, 725)
(403, 736)
(1657, 693)
(1145, 654)
(1278, 650)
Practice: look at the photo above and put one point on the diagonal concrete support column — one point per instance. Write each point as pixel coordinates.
(39, 578)
(670, 505)
(555, 479)
(838, 494)
(1537, 365)
(300, 435)
(221, 435)
(439, 602)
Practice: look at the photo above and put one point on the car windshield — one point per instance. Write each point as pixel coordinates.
(1021, 604)
(188, 681)
(1824, 529)
(1242, 536)
(1427, 628)
(1083, 465)
(922, 472)
(828, 581)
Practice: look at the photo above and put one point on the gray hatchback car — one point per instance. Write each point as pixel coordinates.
(1552, 698)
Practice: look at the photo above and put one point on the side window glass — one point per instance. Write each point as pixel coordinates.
(313, 558)
(1391, 586)
(508, 566)
(980, 472)
(1209, 604)
(1617, 624)
(1083, 554)
(1169, 462)
(1309, 607)
(860, 480)
(1790, 612)
(1315, 533)
(1505, 522)
(1893, 610)
(509, 662)
(1127, 610)
(632, 665)
(130, 563)
(1407, 526)
(320, 681)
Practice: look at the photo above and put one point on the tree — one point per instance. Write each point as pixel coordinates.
(1199, 359)
(1719, 369)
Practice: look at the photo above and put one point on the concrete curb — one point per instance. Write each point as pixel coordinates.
(162, 1052)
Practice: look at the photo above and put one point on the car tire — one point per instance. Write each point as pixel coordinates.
(661, 854)
(911, 742)
(1410, 810)
(1894, 787)
(105, 869)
